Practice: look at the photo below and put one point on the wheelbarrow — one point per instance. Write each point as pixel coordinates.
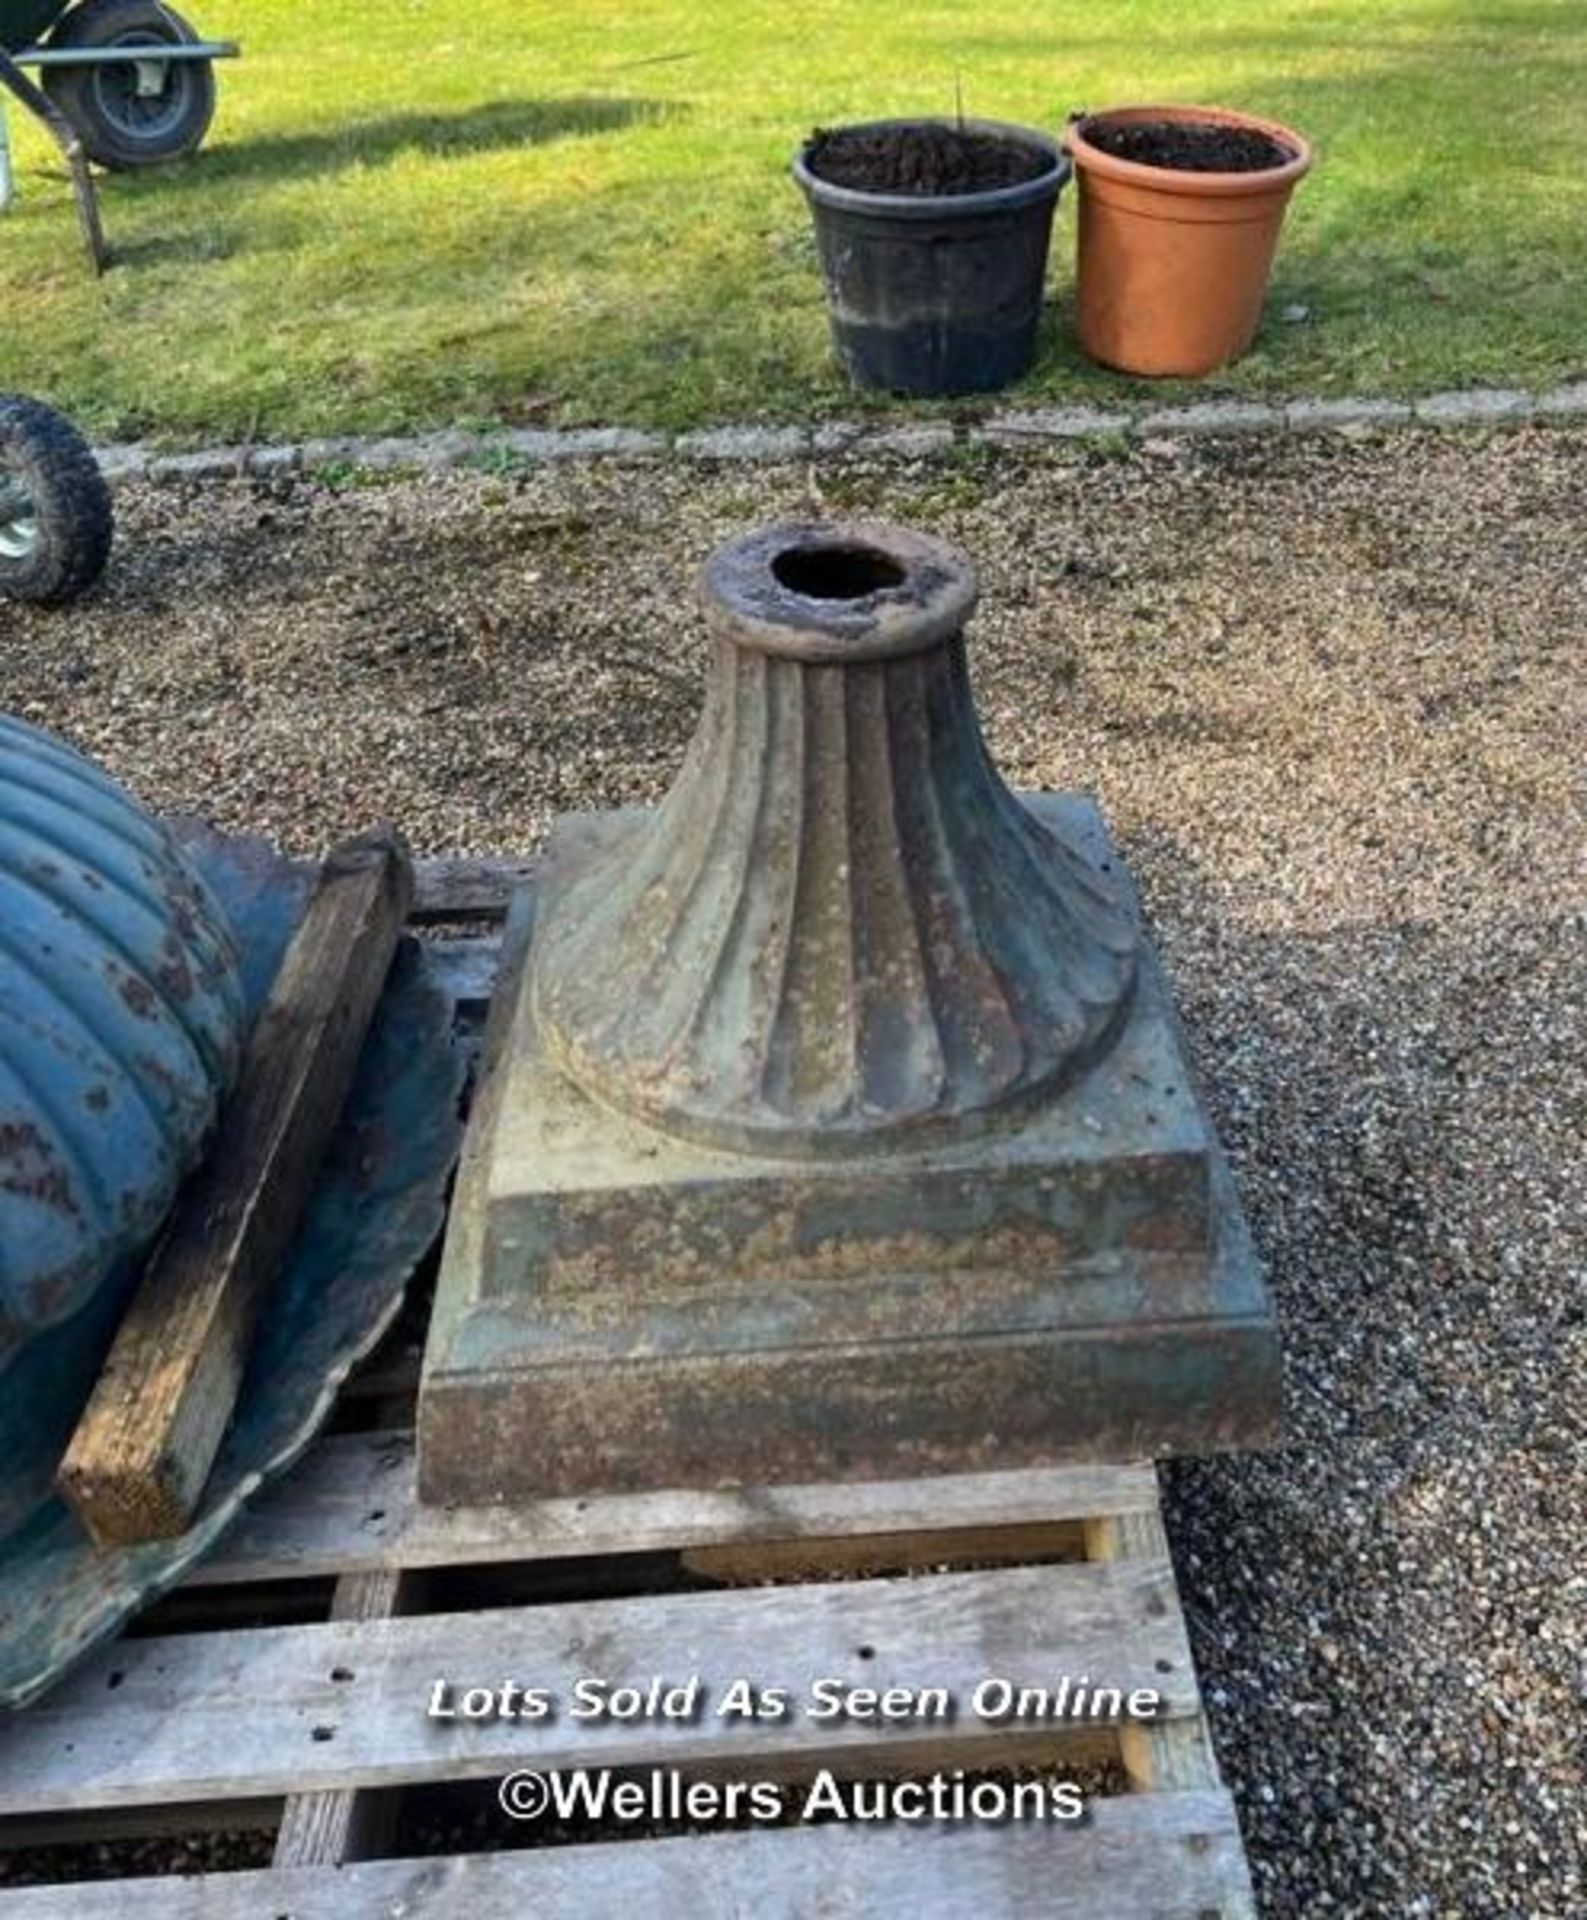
(124, 83)
(56, 517)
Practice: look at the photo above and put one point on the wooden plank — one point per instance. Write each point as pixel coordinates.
(1168, 1856)
(1178, 1754)
(170, 1822)
(351, 1507)
(821, 1556)
(462, 888)
(338, 1705)
(137, 1465)
(325, 1829)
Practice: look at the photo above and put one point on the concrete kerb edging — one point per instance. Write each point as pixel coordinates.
(433, 452)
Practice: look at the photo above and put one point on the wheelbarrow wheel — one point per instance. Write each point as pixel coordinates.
(55, 513)
(132, 115)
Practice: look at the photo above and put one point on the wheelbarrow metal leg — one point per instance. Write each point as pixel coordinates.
(7, 178)
(65, 137)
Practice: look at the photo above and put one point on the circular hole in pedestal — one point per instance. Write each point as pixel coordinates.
(836, 572)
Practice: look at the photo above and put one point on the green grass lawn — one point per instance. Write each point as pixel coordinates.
(429, 211)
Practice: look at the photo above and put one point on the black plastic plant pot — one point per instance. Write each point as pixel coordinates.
(936, 293)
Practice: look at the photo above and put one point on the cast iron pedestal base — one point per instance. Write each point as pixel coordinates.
(621, 1309)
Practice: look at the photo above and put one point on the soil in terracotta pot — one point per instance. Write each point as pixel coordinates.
(1203, 147)
(924, 159)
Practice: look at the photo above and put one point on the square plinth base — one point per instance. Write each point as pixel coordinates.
(618, 1309)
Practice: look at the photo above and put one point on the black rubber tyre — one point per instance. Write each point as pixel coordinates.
(56, 521)
(119, 127)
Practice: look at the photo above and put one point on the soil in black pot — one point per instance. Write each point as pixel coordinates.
(922, 158)
(1194, 147)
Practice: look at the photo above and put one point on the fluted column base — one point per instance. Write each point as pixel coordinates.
(840, 932)
(620, 1307)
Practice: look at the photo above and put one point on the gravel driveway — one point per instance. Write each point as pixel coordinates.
(1331, 693)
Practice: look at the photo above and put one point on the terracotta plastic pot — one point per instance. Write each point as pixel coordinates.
(1173, 265)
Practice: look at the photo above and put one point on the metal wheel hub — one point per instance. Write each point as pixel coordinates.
(20, 533)
(145, 98)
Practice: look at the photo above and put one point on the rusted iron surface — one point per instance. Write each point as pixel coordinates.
(836, 1120)
(621, 1308)
(840, 931)
(378, 1204)
(121, 1023)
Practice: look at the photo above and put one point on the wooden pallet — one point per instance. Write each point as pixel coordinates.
(308, 1718)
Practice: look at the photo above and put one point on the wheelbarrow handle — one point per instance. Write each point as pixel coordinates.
(38, 103)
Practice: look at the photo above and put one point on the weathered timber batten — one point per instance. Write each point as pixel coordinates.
(840, 928)
(121, 1024)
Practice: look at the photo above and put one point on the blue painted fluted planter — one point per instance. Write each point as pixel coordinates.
(121, 1024)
